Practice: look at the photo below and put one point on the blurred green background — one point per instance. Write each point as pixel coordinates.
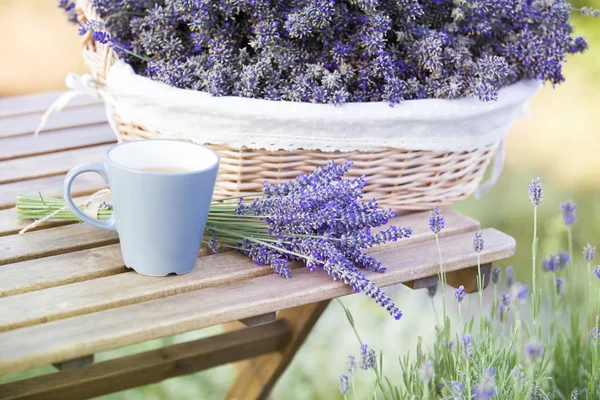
(559, 142)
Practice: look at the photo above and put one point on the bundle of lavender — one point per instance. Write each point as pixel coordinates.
(318, 219)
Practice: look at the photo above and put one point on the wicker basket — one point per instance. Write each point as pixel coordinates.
(397, 178)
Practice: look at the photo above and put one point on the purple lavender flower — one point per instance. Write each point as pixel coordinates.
(457, 390)
(496, 272)
(597, 271)
(536, 192)
(595, 334)
(467, 346)
(344, 386)
(352, 364)
(518, 377)
(575, 394)
(69, 9)
(436, 221)
(505, 302)
(510, 278)
(478, 242)
(559, 284)
(534, 351)
(556, 262)
(522, 293)
(335, 52)
(213, 245)
(426, 372)
(487, 387)
(460, 293)
(589, 253)
(568, 212)
(368, 357)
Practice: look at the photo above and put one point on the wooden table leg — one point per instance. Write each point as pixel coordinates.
(257, 376)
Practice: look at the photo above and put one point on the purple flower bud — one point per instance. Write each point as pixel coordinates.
(368, 357)
(534, 351)
(426, 372)
(460, 293)
(467, 346)
(487, 386)
(496, 272)
(457, 389)
(595, 334)
(478, 242)
(559, 284)
(436, 221)
(575, 394)
(432, 290)
(589, 253)
(597, 271)
(523, 291)
(568, 212)
(352, 364)
(344, 386)
(536, 192)
(510, 279)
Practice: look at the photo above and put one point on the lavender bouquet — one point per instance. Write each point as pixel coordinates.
(318, 219)
(338, 51)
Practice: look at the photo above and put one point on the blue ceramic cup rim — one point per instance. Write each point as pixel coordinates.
(179, 142)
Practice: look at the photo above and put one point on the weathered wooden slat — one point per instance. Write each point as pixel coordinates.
(39, 103)
(27, 247)
(152, 366)
(86, 334)
(85, 184)
(61, 269)
(68, 118)
(48, 242)
(49, 164)
(256, 377)
(55, 141)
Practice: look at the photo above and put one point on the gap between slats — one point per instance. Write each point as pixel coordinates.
(86, 334)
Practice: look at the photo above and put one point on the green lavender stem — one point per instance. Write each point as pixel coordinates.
(442, 278)
(534, 246)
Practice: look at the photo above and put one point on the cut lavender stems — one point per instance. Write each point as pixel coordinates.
(318, 219)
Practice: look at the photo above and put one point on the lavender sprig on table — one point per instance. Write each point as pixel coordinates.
(318, 219)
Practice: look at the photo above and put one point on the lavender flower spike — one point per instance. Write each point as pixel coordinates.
(597, 271)
(478, 242)
(352, 364)
(496, 272)
(595, 334)
(589, 252)
(510, 279)
(534, 351)
(467, 346)
(568, 212)
(560, 284)
(344, 386)
(457, 389)
(575, 394)
(460, 293)
(487, 387)
(536, 192)
(426, 372)
(436, 221)
(368, 357)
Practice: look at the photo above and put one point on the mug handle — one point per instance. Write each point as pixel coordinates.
(100, 169)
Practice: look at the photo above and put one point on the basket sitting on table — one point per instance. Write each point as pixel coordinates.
(398, 177)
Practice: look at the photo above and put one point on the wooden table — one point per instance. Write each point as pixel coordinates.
(65, 293)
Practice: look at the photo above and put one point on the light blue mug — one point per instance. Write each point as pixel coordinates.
(161, 191)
